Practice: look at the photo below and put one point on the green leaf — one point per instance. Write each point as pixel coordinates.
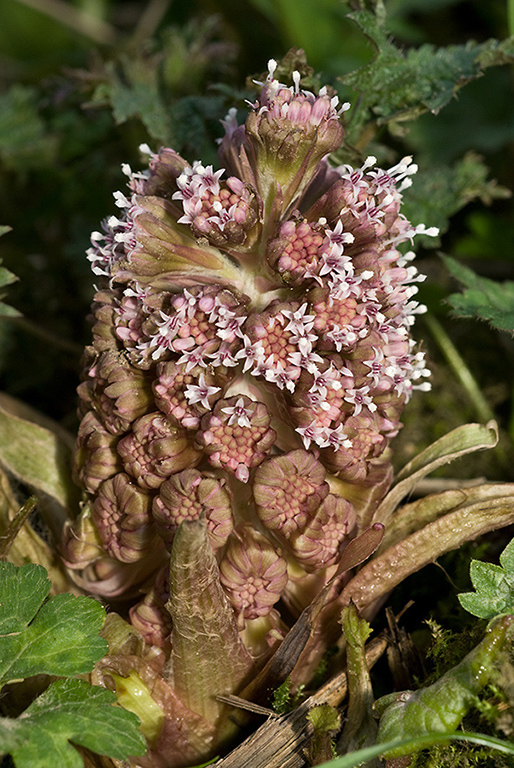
(445, 522)
(483, 298)
(440, 707)
(438, 192)
(507, 562)
(457, 443)
(398, 86)
(479, 606)
(494, 585)
(6, 278)
(360, 726)
(56, 637)
(134, 92)
(487, 577)
(70, 710)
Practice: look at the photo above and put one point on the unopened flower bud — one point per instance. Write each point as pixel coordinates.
(156, 449)
(117, 391)
(121, 514)
(318, 545)
(365, 441)
(288, 489)
(150, 616)
(253, 573)
(187, 496)
(237, 435)
(81, 544)
(104, 308)
(96, 458)
(164, 170)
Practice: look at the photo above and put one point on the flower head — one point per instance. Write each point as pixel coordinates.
(252, 354)
(190, 495)
(291, 130)
(287, 490)
(237, 435)
(121, 514)
(253, 573)
(156, 449)
(319, 543)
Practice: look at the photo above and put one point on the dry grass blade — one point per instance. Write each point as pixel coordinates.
(280, 742)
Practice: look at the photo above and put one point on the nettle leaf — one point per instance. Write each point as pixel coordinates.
(441, 706)
(399, 85)
(59, 636)
(70, 711)
(133, 90)
(494, 585)
(437, 193)
(483, 298)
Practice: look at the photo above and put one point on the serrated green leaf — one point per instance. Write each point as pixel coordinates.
(398, 86)
(25, 143)
(57, 637)
(70, 710)
(478, 605)
(507, 561)
(483, 298)
(494, 585)
(6, 278)
(22, 592)
(489, 578)
(136, 94)
(438, 192)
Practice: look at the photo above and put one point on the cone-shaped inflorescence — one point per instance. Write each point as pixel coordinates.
(251, 357)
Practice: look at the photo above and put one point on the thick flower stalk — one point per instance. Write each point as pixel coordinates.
(251, 358)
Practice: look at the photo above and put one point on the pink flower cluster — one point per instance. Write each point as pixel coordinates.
(251, 357)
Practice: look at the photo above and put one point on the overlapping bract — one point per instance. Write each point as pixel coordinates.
(251, 357)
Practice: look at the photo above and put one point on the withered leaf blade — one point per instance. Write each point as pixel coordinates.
(361, 548)
(483, 509)
(282, 742)
(460, 441)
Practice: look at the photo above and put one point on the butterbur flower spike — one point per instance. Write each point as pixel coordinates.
(251, 357)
